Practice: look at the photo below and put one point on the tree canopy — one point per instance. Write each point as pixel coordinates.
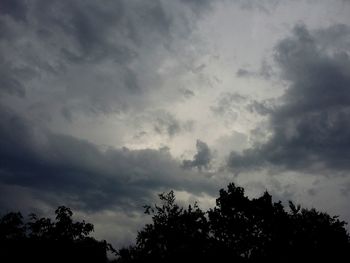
(13, 227)
(44, 240)
(238, 229)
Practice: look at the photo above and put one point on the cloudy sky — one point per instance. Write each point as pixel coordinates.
(105, 104)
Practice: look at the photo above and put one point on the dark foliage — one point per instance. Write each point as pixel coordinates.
(44, 240)
(238, 229)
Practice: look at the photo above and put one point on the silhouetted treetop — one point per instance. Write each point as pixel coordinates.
(13, 227)
(44, 240)
(238, 229)
(174, 229)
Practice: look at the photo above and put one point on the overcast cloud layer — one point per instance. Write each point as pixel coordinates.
(105, 104)
(310, 127)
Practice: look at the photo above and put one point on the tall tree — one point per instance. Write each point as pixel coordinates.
(238, 229)
(175, 234)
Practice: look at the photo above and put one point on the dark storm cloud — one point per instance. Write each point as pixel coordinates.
(201, 159)
(9, 84)
(78, 172)
(311, 128)
(89, 26)
(68, 57)
(101, 56)
(15, 8)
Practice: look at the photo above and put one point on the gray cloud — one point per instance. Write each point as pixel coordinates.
(60, 61)
(166, 123)
(77, 172)
(187, 93)
(345, 190)
(16, 9)
(264, 107)
(310, 129)
(265, 71)
(229, 104)
(92, 28)
(201, 159)
(89, 56)
(245, 73)
(265, 6)
(10, 85)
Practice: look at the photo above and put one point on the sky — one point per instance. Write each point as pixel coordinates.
(106, 104)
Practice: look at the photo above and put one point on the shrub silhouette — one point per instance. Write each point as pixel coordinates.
(41, 240)
(240, 230)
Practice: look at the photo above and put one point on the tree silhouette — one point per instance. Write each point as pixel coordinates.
(175, 234)
(12, 227)
(44, 240)
(238, 229)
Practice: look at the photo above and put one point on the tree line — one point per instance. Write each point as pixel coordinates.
(45, 240)
(237, 229)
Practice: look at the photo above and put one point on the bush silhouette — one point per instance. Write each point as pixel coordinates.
(238, 229)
